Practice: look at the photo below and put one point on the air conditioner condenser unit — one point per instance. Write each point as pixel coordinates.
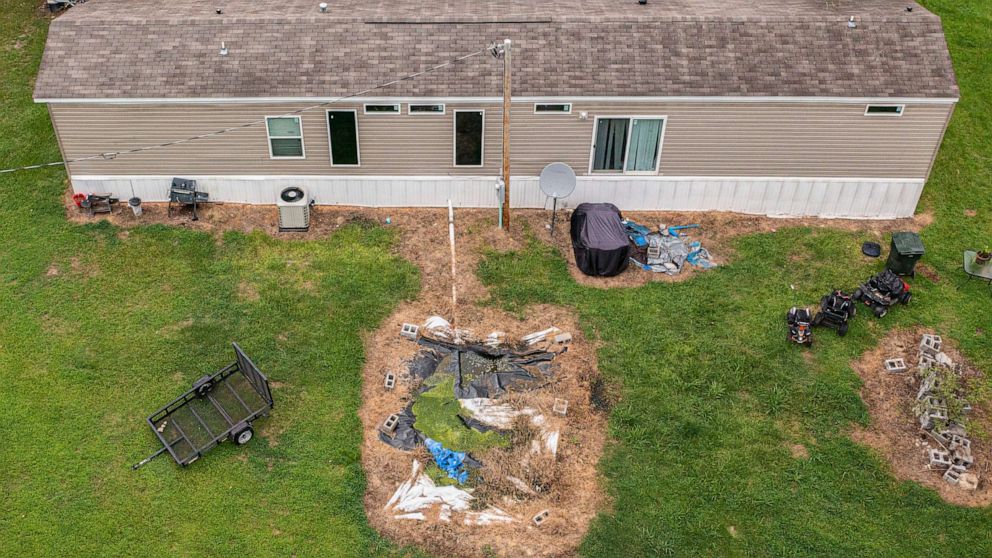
(294, 209)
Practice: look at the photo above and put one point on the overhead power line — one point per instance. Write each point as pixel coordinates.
(114, 154)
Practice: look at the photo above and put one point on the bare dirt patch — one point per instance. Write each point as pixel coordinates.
(928, 272)
(894, 431)
(572, 495)
(248, 292)
(422, 233)
(798, 451)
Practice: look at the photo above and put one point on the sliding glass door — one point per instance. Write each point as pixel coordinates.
(627, 145)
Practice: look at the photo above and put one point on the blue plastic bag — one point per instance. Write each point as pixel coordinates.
(449, 461)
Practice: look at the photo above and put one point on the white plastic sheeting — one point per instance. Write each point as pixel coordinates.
(419, 493)
(853, 198)
(500, 415)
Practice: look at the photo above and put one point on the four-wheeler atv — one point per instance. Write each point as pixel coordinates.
(883, 290)
(835, 310)
(800, 328)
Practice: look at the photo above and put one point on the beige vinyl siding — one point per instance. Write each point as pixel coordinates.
(701, 139)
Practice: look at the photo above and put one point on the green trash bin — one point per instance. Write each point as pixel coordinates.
(907, 249)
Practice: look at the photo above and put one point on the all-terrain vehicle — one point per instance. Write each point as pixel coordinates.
(882, 291)
(835, 310)
(800, 326)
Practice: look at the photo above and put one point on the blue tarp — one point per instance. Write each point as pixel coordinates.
(451, 462)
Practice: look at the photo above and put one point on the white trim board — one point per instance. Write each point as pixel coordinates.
(830, 197)
(520, 100)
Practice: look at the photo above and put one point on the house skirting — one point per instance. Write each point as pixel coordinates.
(852, 198)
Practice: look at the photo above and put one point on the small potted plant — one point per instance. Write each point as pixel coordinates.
(983, 256)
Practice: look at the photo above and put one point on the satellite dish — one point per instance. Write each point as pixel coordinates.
(557, 181)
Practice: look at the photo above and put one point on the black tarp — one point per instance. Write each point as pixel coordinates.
(601, 246)
(405, 437)
(479, 371)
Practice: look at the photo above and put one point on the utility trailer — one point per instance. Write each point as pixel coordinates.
(218, 407)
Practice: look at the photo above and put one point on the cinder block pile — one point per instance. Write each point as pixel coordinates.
(954, 455)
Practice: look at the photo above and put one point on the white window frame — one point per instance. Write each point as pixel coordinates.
(358, 141)
(902, 109)
(303, 143)
(397, 106)
(409, 109)
(626, 155)
(553, 112)
(454, 139)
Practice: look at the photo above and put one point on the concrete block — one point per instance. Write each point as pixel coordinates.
(541, 517)
(968, 481)
(563, 338)
(939, 458)
(952, 475)
(410, 331)
(944, 436)
(930, 417)
(931, 402)
(561, 407)
(944, 360)
(927, 385)
(926, 361)
(390, 382)
(930, 344)
(962, 457)
(895, 365)
(539, 336)
(958, 442)
(388, 427)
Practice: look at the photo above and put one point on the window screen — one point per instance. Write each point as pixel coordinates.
(342, 126)
(285, 136)
(469, 127)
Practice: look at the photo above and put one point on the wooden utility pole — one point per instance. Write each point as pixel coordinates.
(506, 134)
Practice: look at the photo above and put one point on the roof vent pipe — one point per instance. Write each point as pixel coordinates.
(851, 23)
(323, 7)
(223, 49)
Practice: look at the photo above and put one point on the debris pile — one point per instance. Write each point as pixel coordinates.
(460, 410)
(942, 409)
(666, 250)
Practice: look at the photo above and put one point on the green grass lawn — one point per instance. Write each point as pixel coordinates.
(98, 328)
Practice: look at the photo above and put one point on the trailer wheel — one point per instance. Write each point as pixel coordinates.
(243, 435)
(203, 386)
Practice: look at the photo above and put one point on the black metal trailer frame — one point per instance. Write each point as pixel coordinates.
(218, 407)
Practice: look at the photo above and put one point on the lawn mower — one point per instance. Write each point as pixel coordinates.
(882, 291)
(835, 310)
(800, 328)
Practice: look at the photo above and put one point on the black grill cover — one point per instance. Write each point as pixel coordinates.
(601, 246)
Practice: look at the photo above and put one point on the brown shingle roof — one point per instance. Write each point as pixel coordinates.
(132, 49)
